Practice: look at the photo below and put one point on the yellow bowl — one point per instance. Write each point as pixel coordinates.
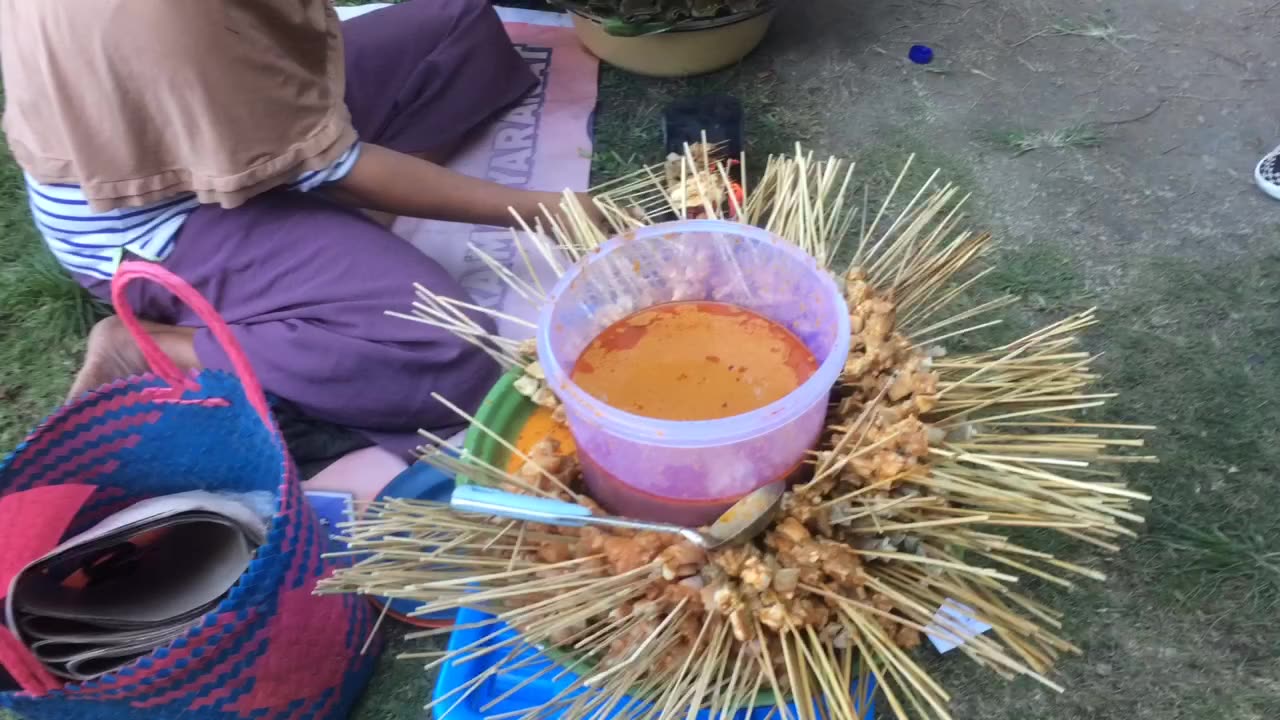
(676, 53)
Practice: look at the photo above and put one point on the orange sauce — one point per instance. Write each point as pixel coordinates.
(693, 361)
(536, 428)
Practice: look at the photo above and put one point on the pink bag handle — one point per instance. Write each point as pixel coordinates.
(159, 362)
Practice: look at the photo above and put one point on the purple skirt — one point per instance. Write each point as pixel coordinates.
(305, 283)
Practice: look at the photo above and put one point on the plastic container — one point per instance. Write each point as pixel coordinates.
(689, 472)
(534, 683)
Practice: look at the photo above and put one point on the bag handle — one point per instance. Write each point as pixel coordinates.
(160, 363)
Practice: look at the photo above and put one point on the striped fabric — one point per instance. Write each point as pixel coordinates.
(93, 243)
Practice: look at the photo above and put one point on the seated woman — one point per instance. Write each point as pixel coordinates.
(237, 142)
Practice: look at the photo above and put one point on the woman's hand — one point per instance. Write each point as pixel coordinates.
(594, 213)
(537, 204)
(388, 181)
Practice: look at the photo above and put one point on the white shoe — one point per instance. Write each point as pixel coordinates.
(1268, 173)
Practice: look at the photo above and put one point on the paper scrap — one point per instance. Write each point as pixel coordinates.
(953, 625)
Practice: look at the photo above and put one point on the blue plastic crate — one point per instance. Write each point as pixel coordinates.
(532, 685)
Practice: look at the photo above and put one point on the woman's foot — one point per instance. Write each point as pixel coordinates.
(1268, 174)
(112, 353)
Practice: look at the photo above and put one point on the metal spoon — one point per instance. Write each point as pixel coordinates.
(740, 523)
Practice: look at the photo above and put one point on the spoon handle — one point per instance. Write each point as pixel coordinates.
(489, 501)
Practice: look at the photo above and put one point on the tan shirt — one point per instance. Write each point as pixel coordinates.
(138, 100)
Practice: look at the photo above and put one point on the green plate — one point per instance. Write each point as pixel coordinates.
(504, 411)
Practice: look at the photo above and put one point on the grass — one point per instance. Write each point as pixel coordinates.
(879, 165)
(1227, 561)
(1046, 278)
(1195, 349)
(1201, 354)
(1072, 137)
(399, 688)
(1091, 28)
(629, 116)
(44, 316)
(43, 295)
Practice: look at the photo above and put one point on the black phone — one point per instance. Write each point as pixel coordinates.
(719, 116)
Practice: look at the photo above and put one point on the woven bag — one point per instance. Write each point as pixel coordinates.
(271, 650)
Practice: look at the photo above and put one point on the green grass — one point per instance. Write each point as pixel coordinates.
(1042, 275)
(1081, 136)
(1222, 561)
(43, 295)
(44, 316)
(629, 119)
(399, 688)
(881, 162)
(1194, 348)
(1198, 352)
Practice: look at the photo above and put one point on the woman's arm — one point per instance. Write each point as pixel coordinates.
(393, 182)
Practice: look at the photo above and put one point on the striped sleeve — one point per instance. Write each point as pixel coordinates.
(309, 181)
(92, 243)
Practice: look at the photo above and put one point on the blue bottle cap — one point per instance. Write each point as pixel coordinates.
(921, 54)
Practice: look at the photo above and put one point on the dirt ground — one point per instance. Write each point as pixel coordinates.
(1149, 211)
(1183, 94)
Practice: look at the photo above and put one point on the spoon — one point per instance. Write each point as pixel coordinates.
(740, 523)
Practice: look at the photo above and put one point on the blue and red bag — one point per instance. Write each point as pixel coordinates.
(271, 650)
